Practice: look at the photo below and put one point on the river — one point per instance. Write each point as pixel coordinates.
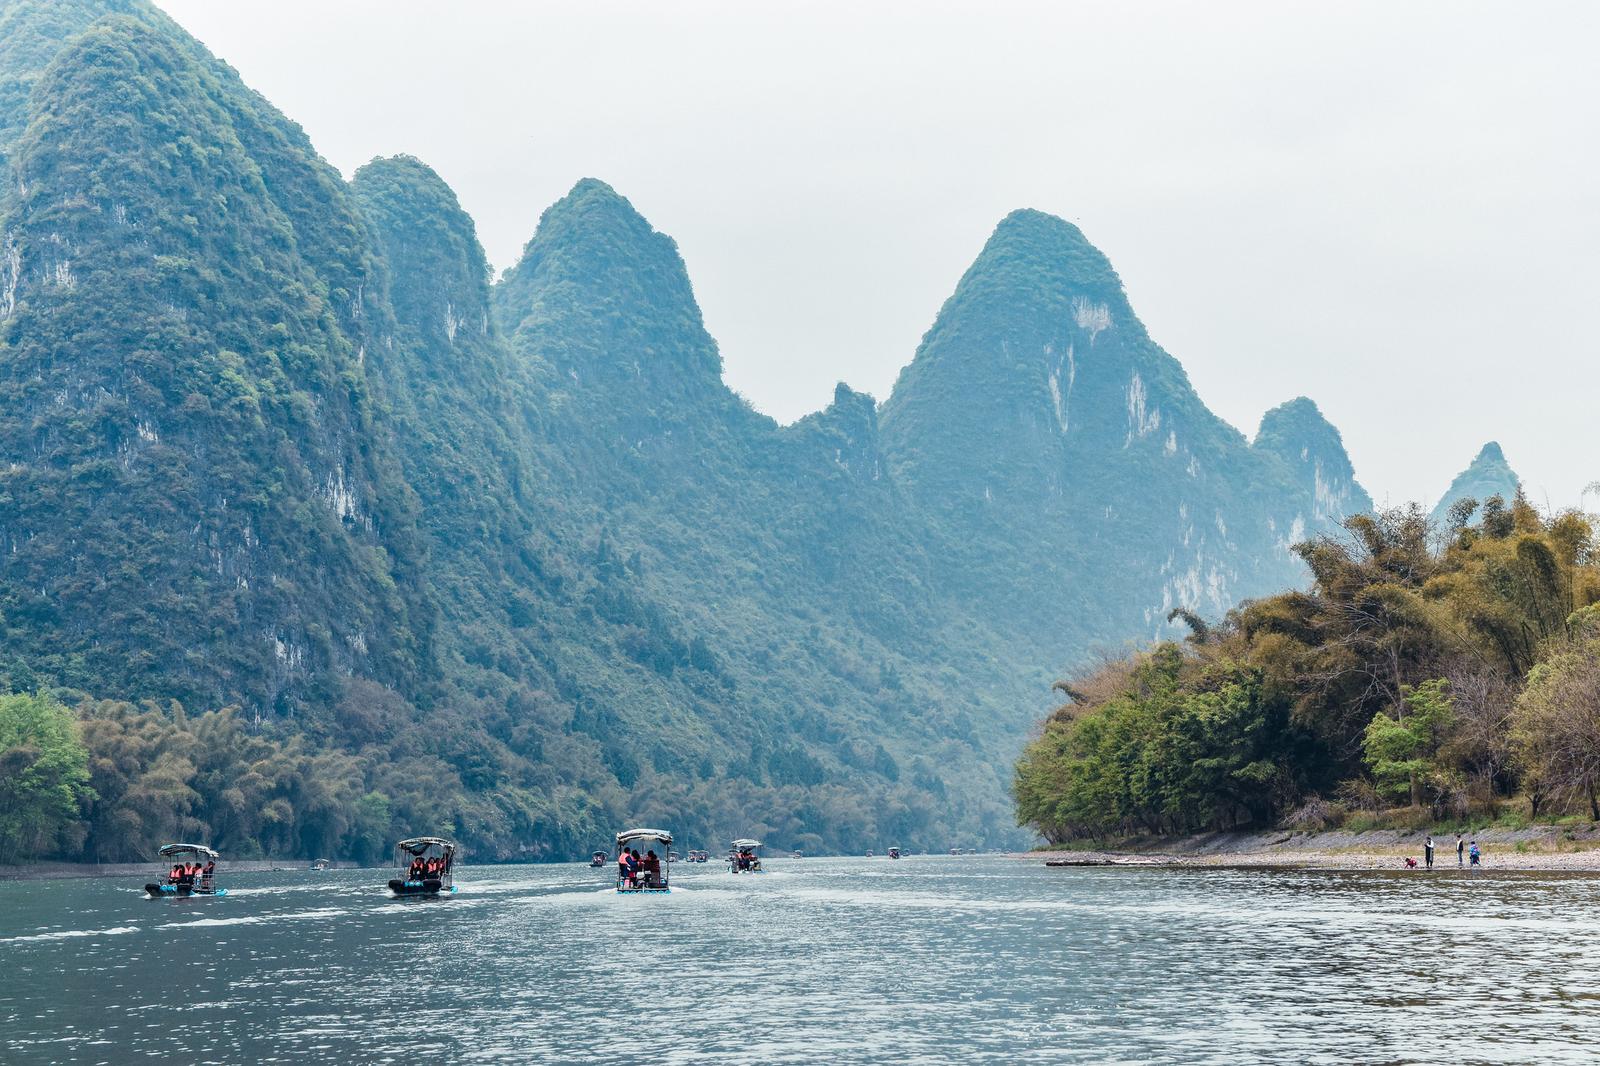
(928, 959)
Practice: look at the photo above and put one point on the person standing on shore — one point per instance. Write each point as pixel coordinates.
(1461, 851)
(1427, 851)
(1474, 854)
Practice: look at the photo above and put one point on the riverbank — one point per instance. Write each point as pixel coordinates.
(50, 871)
(1542, 847)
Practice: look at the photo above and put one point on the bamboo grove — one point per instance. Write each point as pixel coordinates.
(1429, 672)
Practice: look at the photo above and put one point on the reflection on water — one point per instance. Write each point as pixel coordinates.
(868, 960)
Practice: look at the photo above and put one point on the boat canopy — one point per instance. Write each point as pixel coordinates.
(661, 836)
(170, 850)
(745, 845)
(419, 845)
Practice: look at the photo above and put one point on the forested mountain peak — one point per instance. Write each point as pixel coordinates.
(1489, 474)
(438, 273)
(595, 256)
(189, 440)
(1298, 433)
(31, 33)
(1032, 250)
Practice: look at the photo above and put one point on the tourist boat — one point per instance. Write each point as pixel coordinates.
(598, 859)
(320, 864)
(413, 856)
(742, 857)
(183, 885)
(869, 853)
(699, 856)
(894, 853)
(656, 881)
(672, 856)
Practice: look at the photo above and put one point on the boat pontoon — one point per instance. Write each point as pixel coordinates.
(429, 864)
(188, 877)
(654, 877)
(742, 857)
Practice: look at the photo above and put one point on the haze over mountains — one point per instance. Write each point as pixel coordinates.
(271, 438)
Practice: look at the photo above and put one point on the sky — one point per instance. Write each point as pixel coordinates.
(1390, 208)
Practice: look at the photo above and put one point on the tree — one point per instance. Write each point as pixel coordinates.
(1400, 748)
(1556, 727)
(44, 774)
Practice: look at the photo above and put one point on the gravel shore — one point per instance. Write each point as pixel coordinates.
(1533, 848)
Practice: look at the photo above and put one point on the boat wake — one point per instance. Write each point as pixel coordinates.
(66, 934)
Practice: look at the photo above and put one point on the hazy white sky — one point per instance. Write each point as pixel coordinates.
(1391, 208)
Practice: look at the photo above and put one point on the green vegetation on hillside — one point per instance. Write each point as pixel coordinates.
(370, 544)
(1447, 678)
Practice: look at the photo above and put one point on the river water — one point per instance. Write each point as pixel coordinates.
(924, 960)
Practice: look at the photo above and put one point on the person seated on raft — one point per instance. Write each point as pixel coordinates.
(625, 868)
(652, 869)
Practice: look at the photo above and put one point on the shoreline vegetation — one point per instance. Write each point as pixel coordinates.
(1432, 677)
(1547, 848)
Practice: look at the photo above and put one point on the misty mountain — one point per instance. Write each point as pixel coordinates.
(276, 440)
(1487, 475)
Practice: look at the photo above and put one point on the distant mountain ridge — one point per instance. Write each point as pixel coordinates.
(272, 438)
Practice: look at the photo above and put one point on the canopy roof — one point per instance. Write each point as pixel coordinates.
(747, 843)
(171, 850)
(418, 845)
(629, 836)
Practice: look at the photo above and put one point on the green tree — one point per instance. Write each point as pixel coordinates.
(44, 774)
(1400, 749)
(1556, 727)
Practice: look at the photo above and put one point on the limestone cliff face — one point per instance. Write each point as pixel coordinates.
(1088, 488)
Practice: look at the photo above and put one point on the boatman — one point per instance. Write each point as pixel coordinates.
(1461, 852)
(1427, 851)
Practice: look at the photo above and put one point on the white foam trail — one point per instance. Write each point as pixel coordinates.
(63, 934)
(256, 919)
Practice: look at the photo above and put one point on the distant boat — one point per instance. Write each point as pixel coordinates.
(320, 864)
(188, 877)
(894, 853)
(699, 856)
(598, 859)
(429, 863)
(869, 853)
